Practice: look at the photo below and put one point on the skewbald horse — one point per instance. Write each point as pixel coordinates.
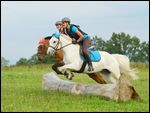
(42, 51)
(123, 61)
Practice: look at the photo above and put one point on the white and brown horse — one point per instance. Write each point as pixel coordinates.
(123, 61)
(42, 50)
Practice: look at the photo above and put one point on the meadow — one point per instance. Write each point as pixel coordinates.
(21, 90)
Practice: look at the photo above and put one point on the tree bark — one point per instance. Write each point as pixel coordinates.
(122, 90)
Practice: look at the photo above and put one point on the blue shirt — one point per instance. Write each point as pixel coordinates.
(72, 33)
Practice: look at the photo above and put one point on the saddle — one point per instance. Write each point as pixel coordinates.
(94, 57)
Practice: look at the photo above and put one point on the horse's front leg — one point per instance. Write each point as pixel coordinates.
(56, 65)
(66, 70)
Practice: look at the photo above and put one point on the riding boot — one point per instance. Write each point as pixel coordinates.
(90, 66)
(89, 63)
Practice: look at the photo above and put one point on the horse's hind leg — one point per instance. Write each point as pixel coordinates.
(108, 76)
(114, 77)
(97, 77)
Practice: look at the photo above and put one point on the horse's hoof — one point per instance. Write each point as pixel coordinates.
(63, 71)
(59, 73)
(66, 74)
(70, 76)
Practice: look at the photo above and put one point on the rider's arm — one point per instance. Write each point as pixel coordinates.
(80, 35)
(74, 29)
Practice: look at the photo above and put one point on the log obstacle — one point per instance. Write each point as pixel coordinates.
(121, 90)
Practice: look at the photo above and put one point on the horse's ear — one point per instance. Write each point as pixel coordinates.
(48, 37)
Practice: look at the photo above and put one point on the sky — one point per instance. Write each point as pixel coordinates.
(23, 23)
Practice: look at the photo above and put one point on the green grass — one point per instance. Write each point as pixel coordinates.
(21, 90)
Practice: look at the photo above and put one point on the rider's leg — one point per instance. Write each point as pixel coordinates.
(86, 44)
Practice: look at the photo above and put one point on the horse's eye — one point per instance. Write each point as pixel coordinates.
(54, 42)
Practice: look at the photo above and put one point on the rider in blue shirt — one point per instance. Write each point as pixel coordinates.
(79, 37)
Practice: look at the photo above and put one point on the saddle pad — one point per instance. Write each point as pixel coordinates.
(94, 56)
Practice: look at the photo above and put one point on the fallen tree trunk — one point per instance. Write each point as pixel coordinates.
(122, 90)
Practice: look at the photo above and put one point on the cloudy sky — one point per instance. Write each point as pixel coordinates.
(24, 23)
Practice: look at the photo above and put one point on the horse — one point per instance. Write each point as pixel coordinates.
(108, 66)
(42, 51)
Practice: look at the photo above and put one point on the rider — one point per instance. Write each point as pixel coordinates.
(59, 26)
(80, 37)
(60, 29)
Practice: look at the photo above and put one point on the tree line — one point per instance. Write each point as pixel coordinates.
(119, 43)
(122, 43)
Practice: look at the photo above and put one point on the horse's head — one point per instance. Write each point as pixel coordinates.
(58, 42)
(42, 47)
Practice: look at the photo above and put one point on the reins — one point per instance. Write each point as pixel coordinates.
(56, 47)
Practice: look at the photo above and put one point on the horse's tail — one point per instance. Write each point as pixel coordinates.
(132, 73)
(124, 65)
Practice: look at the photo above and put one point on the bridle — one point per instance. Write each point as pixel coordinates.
(57, 45)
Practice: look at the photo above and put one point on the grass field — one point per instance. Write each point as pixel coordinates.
(21, 90)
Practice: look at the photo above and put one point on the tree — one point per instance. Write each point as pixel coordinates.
(49, 59)
(99, 43)
(122, 43)
(33, 60)
(118, 43)
(22, 61)
(133, 49)
(4, 62)
(144, 52)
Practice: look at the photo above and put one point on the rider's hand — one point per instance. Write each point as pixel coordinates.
(74, 41)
